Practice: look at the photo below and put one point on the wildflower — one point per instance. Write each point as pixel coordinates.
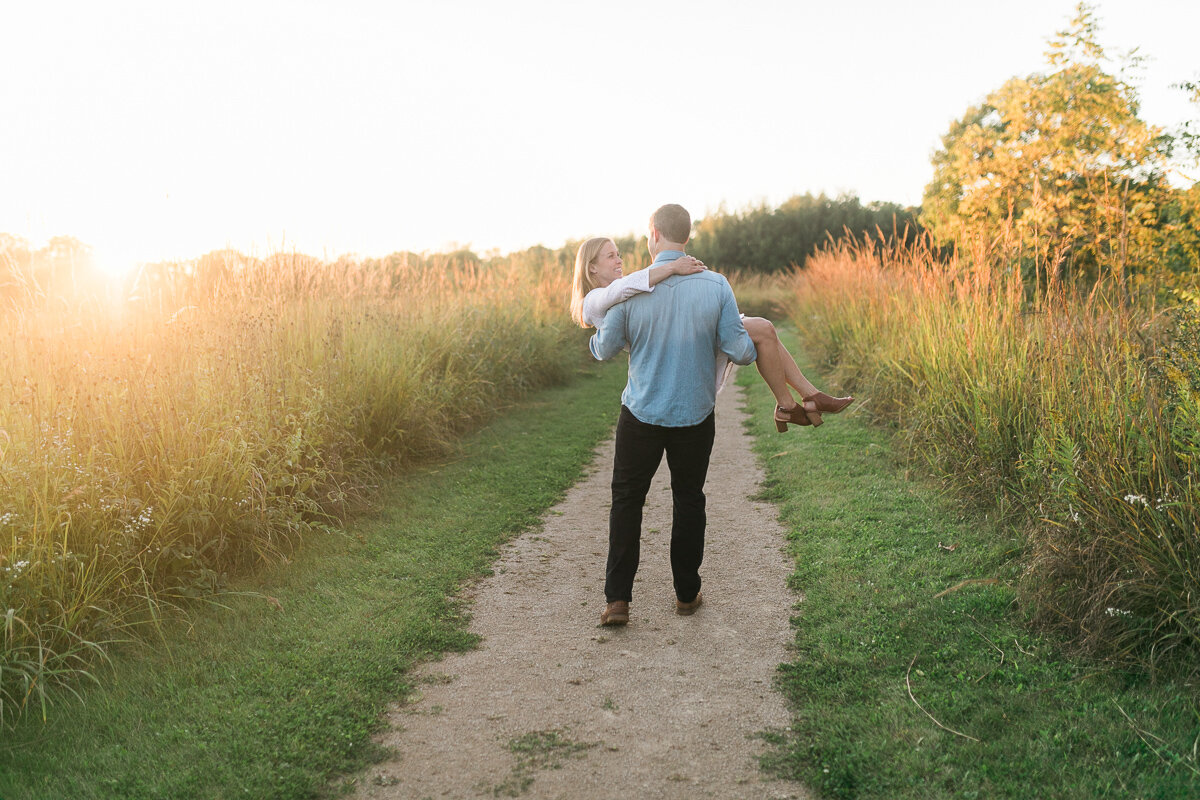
(142, 522)
(7, 517)
(1117, 612)
(1137, 498)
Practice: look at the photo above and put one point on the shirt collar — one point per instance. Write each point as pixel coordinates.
(668, 255)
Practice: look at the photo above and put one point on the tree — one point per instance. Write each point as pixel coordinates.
(767, 239)
(1187, 137)
(1057, 165)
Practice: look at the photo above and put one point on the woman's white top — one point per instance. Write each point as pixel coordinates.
(597, 302)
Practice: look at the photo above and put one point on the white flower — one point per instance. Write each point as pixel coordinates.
(142, 522)
(1117, 612)
(1137, 498)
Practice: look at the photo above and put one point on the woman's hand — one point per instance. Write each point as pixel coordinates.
(686, 265)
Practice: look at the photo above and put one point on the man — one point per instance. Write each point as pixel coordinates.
(673, 335)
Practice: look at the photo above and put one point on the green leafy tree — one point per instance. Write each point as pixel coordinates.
(1058, 166)
(770, 239)
(1180, 217)
(1187, 137)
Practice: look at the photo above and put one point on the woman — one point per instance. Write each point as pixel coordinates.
(599, 285)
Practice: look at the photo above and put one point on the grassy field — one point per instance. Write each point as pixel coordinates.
(916, 674)
(274, 693)
(1076, 411)
(917, 671)
(157, 442)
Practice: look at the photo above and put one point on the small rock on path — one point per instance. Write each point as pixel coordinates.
(551, 705)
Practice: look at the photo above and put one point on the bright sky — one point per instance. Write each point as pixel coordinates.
(163, 129)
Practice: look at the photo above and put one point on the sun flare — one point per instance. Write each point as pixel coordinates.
(113, 268)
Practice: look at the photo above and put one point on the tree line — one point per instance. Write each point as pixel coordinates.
(759, 238)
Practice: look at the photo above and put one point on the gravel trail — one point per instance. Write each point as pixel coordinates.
(551, 705)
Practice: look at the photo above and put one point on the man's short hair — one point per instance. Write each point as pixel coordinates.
(673, 223)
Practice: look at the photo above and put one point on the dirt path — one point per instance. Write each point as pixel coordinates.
(553, 706)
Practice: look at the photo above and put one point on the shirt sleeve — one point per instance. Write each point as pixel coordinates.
(732, 339)
(597, 302)
(610, 335)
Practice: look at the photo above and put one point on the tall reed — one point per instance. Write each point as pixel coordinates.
(1074, 410)
(149, 447)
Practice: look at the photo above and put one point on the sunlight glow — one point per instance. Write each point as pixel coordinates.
(113, 267)
(114, 271)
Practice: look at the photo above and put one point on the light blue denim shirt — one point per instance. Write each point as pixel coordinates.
(674, 334)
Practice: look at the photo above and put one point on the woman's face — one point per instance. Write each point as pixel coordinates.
(606, 268)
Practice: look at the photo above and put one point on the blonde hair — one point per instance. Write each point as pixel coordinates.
(582, 284)
(673, 223)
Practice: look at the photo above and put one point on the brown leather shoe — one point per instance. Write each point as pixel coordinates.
(826, 404)
(615, 613)
(687, 609)
(798, 415)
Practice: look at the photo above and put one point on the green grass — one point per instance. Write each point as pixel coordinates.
(870, 538)
(535, 751)
(1066, 405)
(276, 694)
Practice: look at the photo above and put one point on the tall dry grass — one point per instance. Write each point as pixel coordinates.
(1074, 410)
(153, 443)
(760, 294)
